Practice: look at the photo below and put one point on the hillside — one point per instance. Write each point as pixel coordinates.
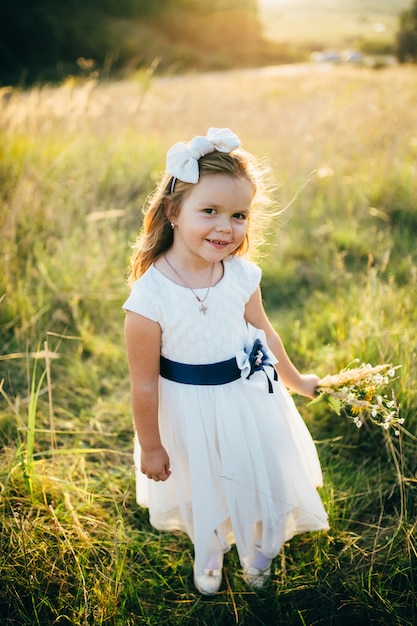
(325, 23)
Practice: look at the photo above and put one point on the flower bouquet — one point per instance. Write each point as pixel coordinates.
(358, 393)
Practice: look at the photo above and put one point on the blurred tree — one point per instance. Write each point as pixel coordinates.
(210, 6)
(214, 34)
(43, 34)
(42, 39)
(407, 35)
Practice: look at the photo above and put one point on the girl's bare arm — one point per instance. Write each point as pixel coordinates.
(304, 384)
(143, 342)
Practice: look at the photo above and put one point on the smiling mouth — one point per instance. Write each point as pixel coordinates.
(217, 242)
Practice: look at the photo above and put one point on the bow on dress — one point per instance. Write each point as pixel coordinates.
(182, 158)
(254, 358)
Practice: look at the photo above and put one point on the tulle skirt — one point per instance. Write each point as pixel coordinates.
(244, 469)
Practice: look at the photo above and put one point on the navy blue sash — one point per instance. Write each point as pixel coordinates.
(211, 374)
(217, 373)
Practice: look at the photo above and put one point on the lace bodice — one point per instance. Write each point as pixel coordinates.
(188, 335)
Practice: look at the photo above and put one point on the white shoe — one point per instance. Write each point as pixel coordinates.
(255, 577)
(208, 584)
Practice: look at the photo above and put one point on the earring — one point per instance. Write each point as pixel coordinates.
(172, 225)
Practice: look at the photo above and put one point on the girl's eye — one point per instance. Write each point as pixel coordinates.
(209, 211)
(240, 216)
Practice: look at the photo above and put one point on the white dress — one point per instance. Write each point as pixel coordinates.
(244, 466)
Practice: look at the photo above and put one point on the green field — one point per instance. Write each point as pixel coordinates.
(339, 280)
(331, 24)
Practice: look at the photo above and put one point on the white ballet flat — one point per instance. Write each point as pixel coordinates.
(255, 577)
(208, 584)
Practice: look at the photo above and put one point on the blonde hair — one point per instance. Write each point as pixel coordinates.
(156, 235)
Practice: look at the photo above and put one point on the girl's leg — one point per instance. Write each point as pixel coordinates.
(215, 561)
(260, 561)
(260, 568)
(209, 583)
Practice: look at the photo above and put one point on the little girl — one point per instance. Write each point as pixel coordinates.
(223, 453)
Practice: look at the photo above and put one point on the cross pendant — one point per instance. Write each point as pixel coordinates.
(203, 308)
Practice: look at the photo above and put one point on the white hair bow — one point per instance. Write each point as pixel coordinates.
(182, 158)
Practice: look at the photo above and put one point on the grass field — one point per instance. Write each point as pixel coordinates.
(339, 280)
(326, 24)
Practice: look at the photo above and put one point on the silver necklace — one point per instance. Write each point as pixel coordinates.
(203, 308)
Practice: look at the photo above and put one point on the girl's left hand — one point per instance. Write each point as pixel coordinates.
(309, 384)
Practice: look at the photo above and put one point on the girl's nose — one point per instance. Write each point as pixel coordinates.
(223, 224)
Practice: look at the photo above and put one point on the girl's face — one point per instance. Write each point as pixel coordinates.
(213, 218)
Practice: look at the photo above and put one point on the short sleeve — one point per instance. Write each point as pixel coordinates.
(254, 274)
(246, 274)
(143, 299)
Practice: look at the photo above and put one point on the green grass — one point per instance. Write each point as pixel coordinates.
(339, 283)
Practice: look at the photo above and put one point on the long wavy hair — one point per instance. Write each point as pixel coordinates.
(156, 234)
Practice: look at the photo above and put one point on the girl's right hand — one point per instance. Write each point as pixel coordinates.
(155, 464)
